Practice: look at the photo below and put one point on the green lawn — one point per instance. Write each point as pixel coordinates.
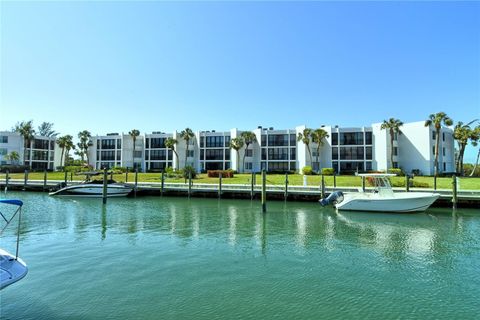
(273, 179)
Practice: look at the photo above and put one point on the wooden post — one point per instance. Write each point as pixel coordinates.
(334, 180)
(252, 190)
(126, 176)
(111, 175)
(434, 182)
(323, 187)
(363, 184)
(162, 179)
(454, 192)
(264, 191)
(104, 191)
(136, 182)
(220, 185)
(71, 176)
(189, 183)
(286, 186)
(44, 180)
(66, 173)
(7, 177)
(25, 180)
(407, 182)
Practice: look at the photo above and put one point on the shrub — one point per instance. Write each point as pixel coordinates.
(420, 184)
(397, 171)
(187, 171)
(216, 173)
(307, 170)
(117, 170)
(328, 171)
(14, 168)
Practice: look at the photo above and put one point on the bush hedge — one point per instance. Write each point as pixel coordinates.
(307, 170)
(397, 171)
(328, 171)
(216, 173)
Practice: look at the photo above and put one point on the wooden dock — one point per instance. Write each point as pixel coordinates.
(465, 198)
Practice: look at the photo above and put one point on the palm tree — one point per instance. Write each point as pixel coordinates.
(62, 142)
(134, 134)
(237, 144)
(474, 138)
(170, 143)
(318, 136)
(393, 126)
(25, 128)
(436, 120)
(248, 138)
(46, 130)
(305, 137)
(69, 145)
(13, 157)
(462, 133)
(85, 142)
(187, 135)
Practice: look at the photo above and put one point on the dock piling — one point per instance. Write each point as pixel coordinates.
(189, 183)
(264, 191)
(162, 180)
(136, 182)
(363, 184)
(220, 185)
(44, 180)
(7, 177)
(111, 175)
(435, 182)
(126, 175)
(65, 179)
(286, 186)
(104, 191)
(252, 182)
(322, 186)
(71, 176)
(407, 183)
(454, 192)
(334, 180)
(25, 180)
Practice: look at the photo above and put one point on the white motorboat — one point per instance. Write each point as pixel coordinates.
(382, 198)
(93, 189)
(12, 268)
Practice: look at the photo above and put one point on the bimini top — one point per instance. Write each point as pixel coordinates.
(12, 201)
(376, 175)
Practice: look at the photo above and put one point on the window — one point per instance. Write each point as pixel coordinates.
(335, 153)
(368, 154)
(3, 151)
(40, 144)
(214, 142)
(433, 149)
(368, 166)
(444, 166)
(158, 155)
(434, 135)
(293, 154)
(108, 144)
(293, 166)
(395, 151)
(264, 140)
(190, 153)
(277, 154)
(227, 141)
(264, 153)
(3, 139)
(137, 154)
(443, 152)
(334, 138)
(248, 166)
(214, 166)
(395, 164)
(212, 154)
(443, 136)
(351, 138)
(249, 153)
(278, 140)
(293, 140)
(156, 143)
(395, 136)
(351, 153)
(350, 166)
(278, 166)
(108, 155)
(368, 138)
(119, 144)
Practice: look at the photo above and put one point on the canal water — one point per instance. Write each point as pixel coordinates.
(174, 258)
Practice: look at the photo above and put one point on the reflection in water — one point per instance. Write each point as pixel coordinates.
(301, 222)
(232, 235)
(104, 221)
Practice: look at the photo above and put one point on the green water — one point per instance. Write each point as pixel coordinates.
(174, 258)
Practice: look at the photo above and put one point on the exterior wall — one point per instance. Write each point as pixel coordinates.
(14, 142)
(157, 156)
(352, 149)
(214, 150)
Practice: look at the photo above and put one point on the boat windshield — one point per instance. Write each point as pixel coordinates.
(382, 186)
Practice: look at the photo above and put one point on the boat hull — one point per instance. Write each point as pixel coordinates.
(399, 202)
(11, 269)
(93, 191)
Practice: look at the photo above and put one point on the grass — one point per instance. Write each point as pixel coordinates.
(272, 179)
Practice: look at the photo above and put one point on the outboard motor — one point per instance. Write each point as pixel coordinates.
(334, 198)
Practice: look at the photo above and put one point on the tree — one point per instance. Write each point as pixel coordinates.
(248, 138)
(437, 120)
(25, 128)
(237, 144)
(85, 142)
(170, 143)
(187, 135)
(475, 137)
(318, 136)
(13, 156)
(305, 137)
(134, 134)
(46, 130)
(66, 143)
(393, 126)
(462, 133)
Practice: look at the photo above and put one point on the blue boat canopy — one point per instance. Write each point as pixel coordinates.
(12, 201)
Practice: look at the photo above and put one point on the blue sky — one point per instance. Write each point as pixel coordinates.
(156, 66)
